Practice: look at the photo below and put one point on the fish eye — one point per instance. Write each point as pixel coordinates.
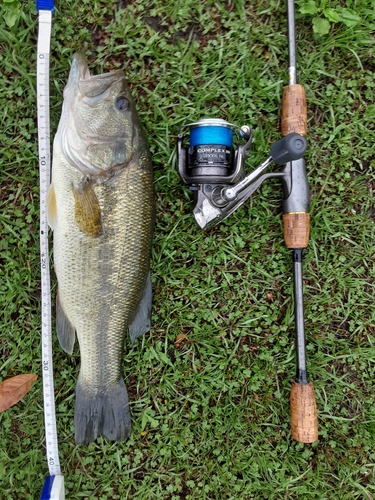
(122, 103)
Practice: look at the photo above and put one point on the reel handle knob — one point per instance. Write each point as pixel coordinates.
(291, 147)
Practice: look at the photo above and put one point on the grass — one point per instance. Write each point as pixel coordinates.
(210, 415)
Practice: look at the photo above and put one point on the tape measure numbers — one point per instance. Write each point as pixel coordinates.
(54, 485)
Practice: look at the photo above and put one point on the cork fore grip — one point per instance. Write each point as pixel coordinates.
(294, 110)
(296, 229)
(303, 414)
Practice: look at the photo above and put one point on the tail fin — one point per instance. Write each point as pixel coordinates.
(101, 411)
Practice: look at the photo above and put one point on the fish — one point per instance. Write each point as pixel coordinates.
(101, 208)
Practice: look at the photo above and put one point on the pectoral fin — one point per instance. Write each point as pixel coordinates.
(142, 321)
(64, 329)
(87, 210)
(51, 207)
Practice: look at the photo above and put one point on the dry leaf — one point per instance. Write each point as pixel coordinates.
(13, 389)
(179, 340)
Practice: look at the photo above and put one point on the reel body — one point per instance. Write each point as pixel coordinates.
(213, 168)
(211, 155)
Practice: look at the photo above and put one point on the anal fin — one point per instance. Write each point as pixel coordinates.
(142, 321)
(64, 329)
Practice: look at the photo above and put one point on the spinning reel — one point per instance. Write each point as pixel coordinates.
(213, 168)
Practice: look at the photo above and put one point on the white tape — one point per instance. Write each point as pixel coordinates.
(43, 56)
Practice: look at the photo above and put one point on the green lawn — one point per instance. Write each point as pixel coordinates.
(210, 417)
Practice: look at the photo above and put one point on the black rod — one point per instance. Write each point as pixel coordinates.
(301, 375)
(292, 43)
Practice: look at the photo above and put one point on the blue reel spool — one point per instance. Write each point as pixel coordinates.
(211, 147)
(211, 131)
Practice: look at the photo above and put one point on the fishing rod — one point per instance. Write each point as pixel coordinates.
(296, 223)
(211, 156)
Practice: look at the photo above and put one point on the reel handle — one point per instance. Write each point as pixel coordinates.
(291, 147)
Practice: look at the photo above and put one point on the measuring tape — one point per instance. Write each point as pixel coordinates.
(54, 485)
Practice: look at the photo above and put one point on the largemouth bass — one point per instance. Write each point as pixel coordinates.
(101, 209)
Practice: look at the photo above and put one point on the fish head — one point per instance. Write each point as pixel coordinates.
(99, 128)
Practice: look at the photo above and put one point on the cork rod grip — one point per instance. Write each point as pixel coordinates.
(303, 414)
(294, 110)
(296, 229)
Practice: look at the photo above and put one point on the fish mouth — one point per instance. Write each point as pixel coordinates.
(79, 60)
(89, 85)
